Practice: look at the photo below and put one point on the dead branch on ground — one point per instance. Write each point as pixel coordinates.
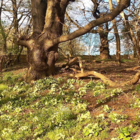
(106, 80)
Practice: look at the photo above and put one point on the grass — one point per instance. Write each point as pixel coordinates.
(67, 109)
(127, 60)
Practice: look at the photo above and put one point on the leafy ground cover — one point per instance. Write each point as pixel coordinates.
(60, 108)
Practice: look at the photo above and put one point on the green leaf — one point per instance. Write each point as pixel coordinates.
(96, 134)
(126, 133)
(87, 133)
(121, 135)
(128, 138)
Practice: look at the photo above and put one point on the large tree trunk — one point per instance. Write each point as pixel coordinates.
(4, 36)
(103, 33)
(42, 55)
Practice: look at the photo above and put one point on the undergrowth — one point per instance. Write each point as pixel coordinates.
(54, 109)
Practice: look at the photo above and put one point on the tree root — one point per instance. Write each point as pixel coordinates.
(105, 80)
(132, 69)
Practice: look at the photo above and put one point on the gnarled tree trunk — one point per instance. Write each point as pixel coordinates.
(41, 54)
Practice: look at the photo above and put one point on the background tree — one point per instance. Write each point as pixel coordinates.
(2, 29)
(102, 30)
(16, 13)
(71, 48)
(118, 48)
(131, 26)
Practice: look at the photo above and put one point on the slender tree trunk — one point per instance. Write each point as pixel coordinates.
(5, 45)
(118, 49)
(15, 25)
(118, 56)
(4, 48)
(132, 36)
(2, 30)
(17, 59)
(135, 51)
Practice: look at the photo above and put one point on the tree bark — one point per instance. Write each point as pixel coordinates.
(103, 33)
(15, 24)
(106, 80)
(104, 48)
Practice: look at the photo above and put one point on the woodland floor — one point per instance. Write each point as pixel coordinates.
(117, 73)
(120, 103)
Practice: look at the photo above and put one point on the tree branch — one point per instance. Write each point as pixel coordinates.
(122, 5)
(111, 39)
(68, 17)
(24, 42)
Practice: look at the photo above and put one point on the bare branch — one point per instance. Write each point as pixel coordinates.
(122, 5)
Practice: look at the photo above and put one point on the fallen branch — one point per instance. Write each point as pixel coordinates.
(106, 80)
(133, 69)
(74, 61)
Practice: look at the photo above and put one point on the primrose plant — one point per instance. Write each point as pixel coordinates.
(80, 107)
(83, 116)
(116, 91)
(125, 133)
(106, 108)
(92, 130)
(116, 118)
(90, 85)
(53, 89)
(136, 104)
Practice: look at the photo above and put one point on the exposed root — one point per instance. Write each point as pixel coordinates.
(132, 69)
(105, 80)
